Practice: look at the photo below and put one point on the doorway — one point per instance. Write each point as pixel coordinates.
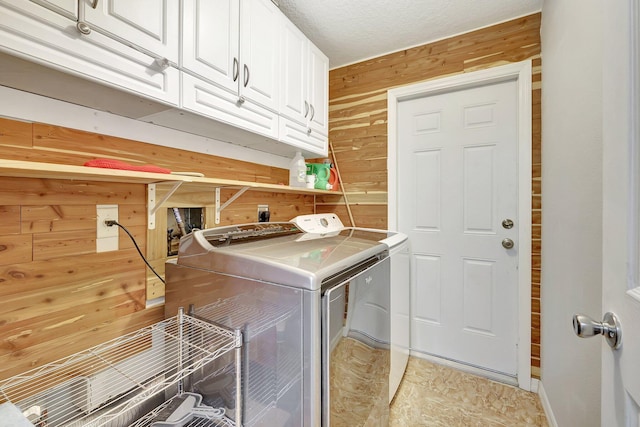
(459, 162)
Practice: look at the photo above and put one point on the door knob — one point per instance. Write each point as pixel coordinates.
(586, 327)
(507, 243)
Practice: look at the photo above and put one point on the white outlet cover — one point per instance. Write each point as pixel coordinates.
(106, 237)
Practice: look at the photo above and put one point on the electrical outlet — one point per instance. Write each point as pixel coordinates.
(263, 213)
(106, 237)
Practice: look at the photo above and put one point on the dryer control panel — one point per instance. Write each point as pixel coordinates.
(318, 223)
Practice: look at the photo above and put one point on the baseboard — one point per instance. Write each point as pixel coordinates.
(535, 385)
(551, 420)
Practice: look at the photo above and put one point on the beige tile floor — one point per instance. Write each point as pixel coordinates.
(438, 396)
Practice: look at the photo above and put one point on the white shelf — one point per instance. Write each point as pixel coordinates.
(114, 382)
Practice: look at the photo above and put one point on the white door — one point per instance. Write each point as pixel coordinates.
(458, 202)
(621, 213)
(153, 25)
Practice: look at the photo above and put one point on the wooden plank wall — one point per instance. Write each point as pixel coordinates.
(358, 121)
(57, 295)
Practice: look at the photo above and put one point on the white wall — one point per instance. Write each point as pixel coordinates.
(571, 206)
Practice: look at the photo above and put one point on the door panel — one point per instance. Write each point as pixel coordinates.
(150, 24)
(478, 195)
(458, 180)
(260, 62)
(211, 46)
(68, 8)
(428, 208)
(429, 293)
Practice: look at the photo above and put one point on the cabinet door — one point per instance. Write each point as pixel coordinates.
(294, 84)
(152, 25)
(298, 135)
(40, 35)
(208, 100)
(68, 8)
(210, 47)
(318, 90)
(260, 22)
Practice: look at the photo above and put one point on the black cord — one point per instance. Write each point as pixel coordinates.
(111, 222)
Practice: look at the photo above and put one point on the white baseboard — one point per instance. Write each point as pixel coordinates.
(535, 385)
(551, 420)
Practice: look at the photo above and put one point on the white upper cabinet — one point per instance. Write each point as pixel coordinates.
(304, 82)
(211, 41)
(234, 45)
(68, 8)
(239, 62)
(230, 59)
(45, 36)
(152, 25)
(260, 52)
(318, 87)
(294, 102)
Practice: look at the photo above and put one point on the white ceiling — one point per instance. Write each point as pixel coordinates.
(349, 31)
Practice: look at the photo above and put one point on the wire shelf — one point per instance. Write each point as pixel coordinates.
(242, 310)
(106, 384)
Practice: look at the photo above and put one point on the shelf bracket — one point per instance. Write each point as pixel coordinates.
(219, 207)
(153, 206)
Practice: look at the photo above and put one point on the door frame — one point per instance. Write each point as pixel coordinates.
(521, 73)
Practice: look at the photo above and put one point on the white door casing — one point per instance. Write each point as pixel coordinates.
(520, 75)
(620, 394)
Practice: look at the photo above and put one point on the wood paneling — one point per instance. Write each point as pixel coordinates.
(10, 223)
(57, 295)
(358, 115)
(16, 134)
(15, 249)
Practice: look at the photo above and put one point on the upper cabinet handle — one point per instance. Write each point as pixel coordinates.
(246, 75)
(94, 3)
(313, 112)
(306, 109)
(236, 69)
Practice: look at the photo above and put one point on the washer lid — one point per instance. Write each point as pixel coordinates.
(292, 258)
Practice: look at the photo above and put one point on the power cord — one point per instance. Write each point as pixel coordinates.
(111, 222)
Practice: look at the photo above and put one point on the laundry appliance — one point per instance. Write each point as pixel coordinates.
(313, 299)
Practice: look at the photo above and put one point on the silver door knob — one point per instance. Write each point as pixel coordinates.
(507, 243)
(585, 327)
(507, 223)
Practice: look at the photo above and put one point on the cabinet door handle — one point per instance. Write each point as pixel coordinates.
(162, 63)
(94, 3)
(313, 112)
(306, 109)
(246, 75)
(236, 69)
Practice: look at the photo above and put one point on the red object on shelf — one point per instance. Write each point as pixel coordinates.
(333, 179)
(118, 164)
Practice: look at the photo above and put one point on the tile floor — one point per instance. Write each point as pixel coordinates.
(438, 396)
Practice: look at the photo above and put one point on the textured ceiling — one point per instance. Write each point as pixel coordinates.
(349, 31)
